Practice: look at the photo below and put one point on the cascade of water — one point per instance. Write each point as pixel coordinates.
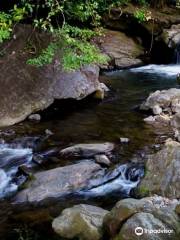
(11, 158)
(121, 180)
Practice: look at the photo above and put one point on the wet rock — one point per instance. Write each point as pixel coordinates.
(102, 160)
(131, 213)
(161, 99)
(87, 150)
(162, 172)
(81, 221)
(164, 104)
(177, 209)
(123, 51)
(56, 183)
(48, 132)
(26, 89)
(171, 36)
(124, 140)
(157, 110)
(34, 117)
(150, 119)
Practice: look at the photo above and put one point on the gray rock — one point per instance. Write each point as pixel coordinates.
(102, 160)
(123, 51)
(81, 221)
(124, 140)
(87, 150)
(171, 36)
(162, 99)
(55, 183)
(157, 110)
(150, 119)
(26, 89)
(35, 117)
(137, 226)
(162, 172)
(161, 210)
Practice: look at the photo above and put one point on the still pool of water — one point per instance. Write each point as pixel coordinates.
(92, 121)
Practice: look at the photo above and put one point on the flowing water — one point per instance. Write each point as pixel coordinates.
(28, 144)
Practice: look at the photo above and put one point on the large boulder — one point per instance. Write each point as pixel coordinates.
(151, 213)
(87, 149)
(162, 172)
(26, 89)
(81, 221)
(56, 183)
(123, 51)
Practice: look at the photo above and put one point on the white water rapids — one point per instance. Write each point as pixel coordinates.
(11, 159)
(167, 70)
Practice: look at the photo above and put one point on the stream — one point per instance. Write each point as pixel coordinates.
(31, 147)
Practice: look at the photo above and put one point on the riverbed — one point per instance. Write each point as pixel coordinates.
(88, 121)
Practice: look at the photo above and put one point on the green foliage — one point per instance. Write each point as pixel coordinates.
(77, 51)
(5, 26)
(142, 15)
(46, 57)
(8, 19)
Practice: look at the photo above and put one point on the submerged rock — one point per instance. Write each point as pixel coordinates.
(162, 172)
(26, 89)
(82, 221)
(150, 213)
(87, 150)
(55, 183)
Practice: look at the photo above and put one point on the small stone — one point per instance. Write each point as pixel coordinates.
(99, 94)
(124, 140)
(48, 132)
(150, 119)
(103, 159)
(157, 110)
(35, 117)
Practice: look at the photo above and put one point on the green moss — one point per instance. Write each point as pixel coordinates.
(143, 191)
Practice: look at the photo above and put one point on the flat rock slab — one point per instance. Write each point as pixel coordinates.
(82, 221)
(55, 183)
(87, 150)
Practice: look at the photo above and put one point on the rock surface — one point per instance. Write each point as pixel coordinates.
(163, 104)
(82, 221)
(171, 36)
(87, 150)
(123, 51)
(149, 213)
(55, 183)
(162, 172)
(26, 89)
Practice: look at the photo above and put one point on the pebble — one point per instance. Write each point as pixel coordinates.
(124, 140)
(35, 117)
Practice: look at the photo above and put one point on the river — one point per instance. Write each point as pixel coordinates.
(69, 122)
